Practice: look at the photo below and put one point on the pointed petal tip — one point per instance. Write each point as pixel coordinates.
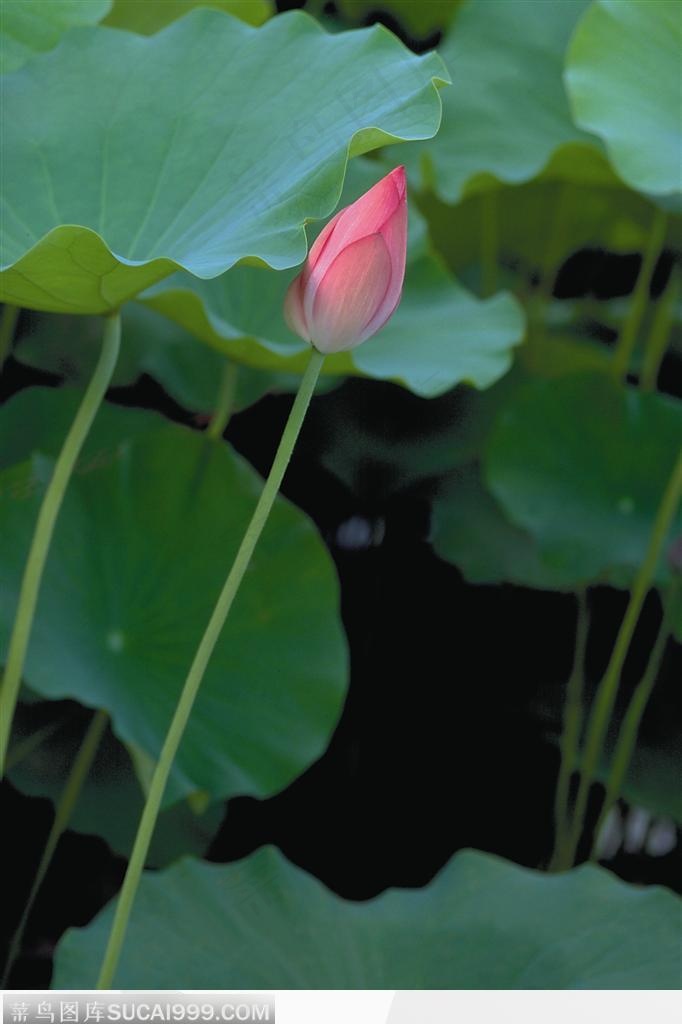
(399, 179)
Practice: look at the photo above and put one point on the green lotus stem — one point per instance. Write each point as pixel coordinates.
(627, 737)
(658, 336)
(196, 673)
(63, 812)
(640, 296)
(570, 737)
(489, 243)
(225, 401)
(47, 518)
(8, 323)
(605, 697)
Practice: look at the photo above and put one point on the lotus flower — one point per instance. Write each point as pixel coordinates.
(352, 280)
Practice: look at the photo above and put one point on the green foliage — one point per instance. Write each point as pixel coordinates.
(418, 19)
(47, 735)
(481, 924)
(471, 530)
(189, 372)
(653, 776)
(186, 159)
(549, 497)
(146, 203)
(506, 112)
(461, 338)
(240, 314)
(29, 28)
(580, 464)
(623, 77)
(538, 225)
(147, 18)
(120, 614)
(651, 782)
(466, 339)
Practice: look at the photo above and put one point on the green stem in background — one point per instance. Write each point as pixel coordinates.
(548, 269)
(47, 518)
(657, 341)
(570, 737)
(555, 242)
(640, 296)
(605, 697)
(489, 243)
(63, 811)
(196, 673)
(225, 401)
(8, 323)
(627, 737)
(18, 752)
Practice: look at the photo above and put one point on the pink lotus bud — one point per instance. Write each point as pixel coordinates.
(352, 280)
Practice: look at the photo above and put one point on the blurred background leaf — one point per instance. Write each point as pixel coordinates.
(30, 28)
(623, 78)
(46, 738)
(68, 346)
(538, 226)
(148, 18)
(471, 530)
(581, 464)
(507, 112)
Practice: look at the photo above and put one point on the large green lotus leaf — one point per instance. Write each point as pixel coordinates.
(482, 923)
(143, 544)
(189, 372)
(148, 17)
(623, 78)
(98, 206)
(581, 464)
(29, 26)
(507, 112)
(45, 740)
(440, 334)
